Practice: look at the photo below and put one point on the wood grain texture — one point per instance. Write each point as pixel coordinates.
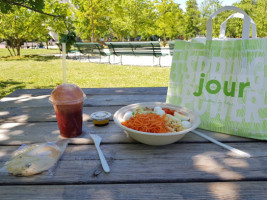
(138, 163)
(92, 100)
(45, 114)
(94, 91)
(21, 133)
(155, 191)
(191, 168)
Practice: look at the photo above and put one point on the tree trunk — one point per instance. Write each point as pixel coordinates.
(13, 49)
(18, 51)
(9, 51)
(135, 33)
(164, 38)
(92, 23)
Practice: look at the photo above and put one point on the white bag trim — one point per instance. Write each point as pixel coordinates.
(237, 15)
(246, 21)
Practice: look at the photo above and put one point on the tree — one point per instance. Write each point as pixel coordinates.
(18, 26)
(9, 5)
(169, 19)
(21, 24)
(234, 26)
(141, 15)
(59, 25)
(207, 8)
(260, 17)
(119, 20)
(192, 19)
(91, 18)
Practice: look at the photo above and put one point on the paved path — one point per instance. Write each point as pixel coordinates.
(128, 60)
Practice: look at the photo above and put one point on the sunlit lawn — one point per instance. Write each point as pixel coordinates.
(36, 71)
(4, 52)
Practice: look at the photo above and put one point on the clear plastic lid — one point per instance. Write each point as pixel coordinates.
(100, 115)
(67, 94)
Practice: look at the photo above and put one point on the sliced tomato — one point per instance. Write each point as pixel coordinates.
(168, 111)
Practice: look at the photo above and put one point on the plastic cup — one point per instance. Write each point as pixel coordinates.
(67, 100)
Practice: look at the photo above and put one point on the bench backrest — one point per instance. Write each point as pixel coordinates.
(134, 48)
(88, 48)
(119, 48)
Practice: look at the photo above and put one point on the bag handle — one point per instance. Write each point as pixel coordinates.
(237, 15)
(246, 21)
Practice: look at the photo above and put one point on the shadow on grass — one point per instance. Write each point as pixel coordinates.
(9, 86)
(30, 57)
(48, 86)
(44, 86)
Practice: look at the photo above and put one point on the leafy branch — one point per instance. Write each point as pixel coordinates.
(8, 4)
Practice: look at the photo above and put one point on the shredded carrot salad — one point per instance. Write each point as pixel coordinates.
(147, 122)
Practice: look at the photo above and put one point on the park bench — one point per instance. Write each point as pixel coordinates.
(90, 49)
(136, 49)
(72, 51)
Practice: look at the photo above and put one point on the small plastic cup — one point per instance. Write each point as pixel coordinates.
(67, 100)
(100, 118)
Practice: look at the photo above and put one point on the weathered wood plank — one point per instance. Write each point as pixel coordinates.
(20, 133)
(45, 114)
(94, 91)
(168, 191)
(137, 163)
(91, 100)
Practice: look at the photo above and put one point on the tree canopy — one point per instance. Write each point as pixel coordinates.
(120, 20)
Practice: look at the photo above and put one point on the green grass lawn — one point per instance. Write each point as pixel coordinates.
(5, 52)
(36, 71)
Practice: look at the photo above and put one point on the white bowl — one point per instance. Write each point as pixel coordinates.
(156, 138)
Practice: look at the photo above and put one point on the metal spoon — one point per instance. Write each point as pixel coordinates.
(97, 139)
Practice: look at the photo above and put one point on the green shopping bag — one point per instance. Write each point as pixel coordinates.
(223, 80)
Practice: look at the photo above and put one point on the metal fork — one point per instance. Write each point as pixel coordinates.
(97, 140)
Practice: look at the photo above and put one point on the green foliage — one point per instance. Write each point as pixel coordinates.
(59, 24)
(260, 17)
(121, 19)
(257, 10)
(192, 19)
(131, 19)
(169, 18)
(69, 39)
(18, 26)
(11, 5)
(207, 8)
(91, 18)
(139, 15)
(21, 24)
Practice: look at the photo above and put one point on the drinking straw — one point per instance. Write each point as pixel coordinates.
(234, 150)
(64, 61)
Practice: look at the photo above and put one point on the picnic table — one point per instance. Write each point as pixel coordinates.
(191, 168)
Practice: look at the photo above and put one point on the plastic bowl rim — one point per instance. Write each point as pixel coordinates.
(195, 125)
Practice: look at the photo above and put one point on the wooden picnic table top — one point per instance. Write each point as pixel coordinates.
(191, 168)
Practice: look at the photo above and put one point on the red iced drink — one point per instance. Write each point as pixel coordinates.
(67, 100)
